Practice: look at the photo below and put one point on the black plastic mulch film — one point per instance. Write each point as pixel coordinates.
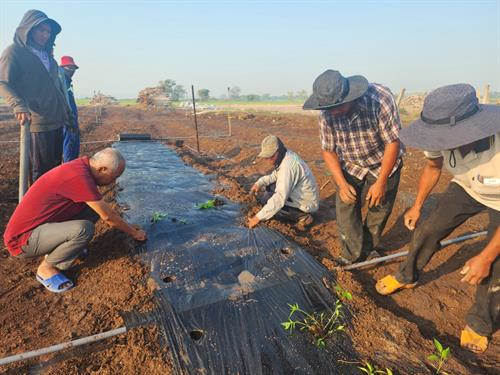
(224, 289)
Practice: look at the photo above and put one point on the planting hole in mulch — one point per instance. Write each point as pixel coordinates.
(196, 334)
(286, 250)
(169, 278)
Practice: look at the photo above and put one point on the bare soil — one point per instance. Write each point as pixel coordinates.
(393, 331)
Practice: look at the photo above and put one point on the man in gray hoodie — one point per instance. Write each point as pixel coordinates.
(30, 84)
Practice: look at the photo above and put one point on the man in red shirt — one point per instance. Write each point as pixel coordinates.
(56, 216)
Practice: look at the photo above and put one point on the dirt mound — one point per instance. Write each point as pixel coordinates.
(101, 99)
(154, 97)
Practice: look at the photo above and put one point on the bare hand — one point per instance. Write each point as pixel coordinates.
(255, 189)
(411, 218)
(139, 235)
(23, 117)
(475, 270)
(376, 194)
(253, 221)
(347, 193)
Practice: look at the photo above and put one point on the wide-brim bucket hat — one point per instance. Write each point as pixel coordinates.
(332, 89)
(451, 117)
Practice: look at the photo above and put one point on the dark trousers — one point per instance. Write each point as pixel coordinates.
(46, 151)
(453, 208)
(287, 213)
(359, 238)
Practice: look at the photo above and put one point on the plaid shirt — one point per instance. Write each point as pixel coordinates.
(359, 138)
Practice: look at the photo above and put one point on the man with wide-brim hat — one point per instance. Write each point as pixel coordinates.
(457, 131)
(359, 130)
(290, 192)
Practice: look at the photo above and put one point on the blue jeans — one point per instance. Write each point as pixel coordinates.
(71, 144)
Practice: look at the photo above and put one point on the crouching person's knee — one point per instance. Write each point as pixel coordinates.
(79, 235)
(86, 232)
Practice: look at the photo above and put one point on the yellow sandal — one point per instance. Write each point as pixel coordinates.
(388, 285)
(473, 341)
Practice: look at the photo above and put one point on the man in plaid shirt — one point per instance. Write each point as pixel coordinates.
(359, 131)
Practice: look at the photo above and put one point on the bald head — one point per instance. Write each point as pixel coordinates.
(107, 165)
(110, 158)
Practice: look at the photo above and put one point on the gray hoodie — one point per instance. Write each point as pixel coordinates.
(25, 83)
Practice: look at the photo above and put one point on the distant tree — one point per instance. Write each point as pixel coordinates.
(178, 93)
(172, 89)
(253, 98)
(204, 94)
(266, 97)
(302, 94)
(168, 86)
(289, 95)
(234, 92)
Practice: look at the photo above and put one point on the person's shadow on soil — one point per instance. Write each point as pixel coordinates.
(108, 245)
(426, 327)
(453, 264)
(398, 235)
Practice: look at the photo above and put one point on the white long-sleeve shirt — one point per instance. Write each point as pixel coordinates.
(295, 186)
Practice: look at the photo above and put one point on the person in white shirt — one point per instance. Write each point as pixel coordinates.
(291, 191)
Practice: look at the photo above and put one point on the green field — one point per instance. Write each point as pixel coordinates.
(85, 101)
(249, 103)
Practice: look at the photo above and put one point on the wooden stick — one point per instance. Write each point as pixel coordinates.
(195, 120)
(400, 97)
(486, 96)
(324, 185)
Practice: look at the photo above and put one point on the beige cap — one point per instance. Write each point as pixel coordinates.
(268, 147)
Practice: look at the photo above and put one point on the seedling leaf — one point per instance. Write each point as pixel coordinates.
(320, 325)
(445, 353)
(158, 216)
(438, 345)
(433, 358)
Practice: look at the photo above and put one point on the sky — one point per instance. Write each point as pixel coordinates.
(270, 46)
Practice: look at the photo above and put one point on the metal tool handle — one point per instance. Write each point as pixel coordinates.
(24, 158)
(65, 345)
(404, 253)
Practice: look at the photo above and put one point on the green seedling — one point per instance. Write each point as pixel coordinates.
(158, 216)
(319, 325)
(439, 357)
(208, 204)
(370, 369)
(211, 203)
(343, 294)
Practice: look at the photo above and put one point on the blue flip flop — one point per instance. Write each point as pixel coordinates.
(54, 283)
